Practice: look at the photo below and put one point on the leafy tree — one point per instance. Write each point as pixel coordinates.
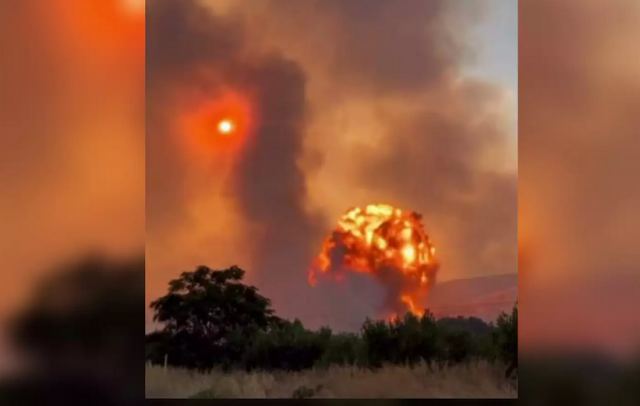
(343, 349)
(380, 344)
(459, 345)
(209, 317)
(505, 339)
(418, 338)
(407, 340)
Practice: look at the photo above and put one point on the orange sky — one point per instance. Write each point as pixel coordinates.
(578, 221)
(73, 158)
(337, 124)
(72, 148)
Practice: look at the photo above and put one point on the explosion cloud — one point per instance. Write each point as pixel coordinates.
(389, 244)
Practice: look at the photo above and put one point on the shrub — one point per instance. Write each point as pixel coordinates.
(343, 349)
(211, 319)
(505, 338)
(288, 346)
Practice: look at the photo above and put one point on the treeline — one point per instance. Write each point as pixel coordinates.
(212, 320)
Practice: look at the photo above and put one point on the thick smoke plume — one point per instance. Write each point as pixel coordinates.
(196, 58)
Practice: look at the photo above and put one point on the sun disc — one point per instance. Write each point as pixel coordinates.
(226, 127)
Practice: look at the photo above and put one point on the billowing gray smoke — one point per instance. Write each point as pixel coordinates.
(192, 50)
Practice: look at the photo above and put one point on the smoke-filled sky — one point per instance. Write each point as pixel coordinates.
(72, 143)
(71, 139)
(579, 143)
(343, 103)
(72, 152)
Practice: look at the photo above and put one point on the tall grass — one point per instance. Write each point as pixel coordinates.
(473, 380)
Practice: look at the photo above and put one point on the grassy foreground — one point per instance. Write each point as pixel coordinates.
(473, 380)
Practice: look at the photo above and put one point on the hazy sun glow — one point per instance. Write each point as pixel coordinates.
(221, 123)
(225, 126)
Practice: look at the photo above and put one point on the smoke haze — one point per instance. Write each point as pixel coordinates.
(352, 104)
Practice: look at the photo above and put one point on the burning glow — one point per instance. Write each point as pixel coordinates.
(406, 299)
(408, 253)
(387, 243)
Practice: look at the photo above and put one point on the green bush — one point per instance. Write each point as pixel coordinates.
(212, 320)
(402, 341)
(343, 349)
(288, 346)
(465, 338)
(505, 338)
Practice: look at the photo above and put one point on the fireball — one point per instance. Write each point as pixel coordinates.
(387, 243)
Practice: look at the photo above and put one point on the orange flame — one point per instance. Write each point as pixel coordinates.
(387, 243)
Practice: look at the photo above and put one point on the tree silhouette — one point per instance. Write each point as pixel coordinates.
(288, 346)
(79, 333)
(506, 339)
(209, 316)
(210, 319)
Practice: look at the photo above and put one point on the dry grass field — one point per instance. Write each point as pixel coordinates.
(476, 380)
